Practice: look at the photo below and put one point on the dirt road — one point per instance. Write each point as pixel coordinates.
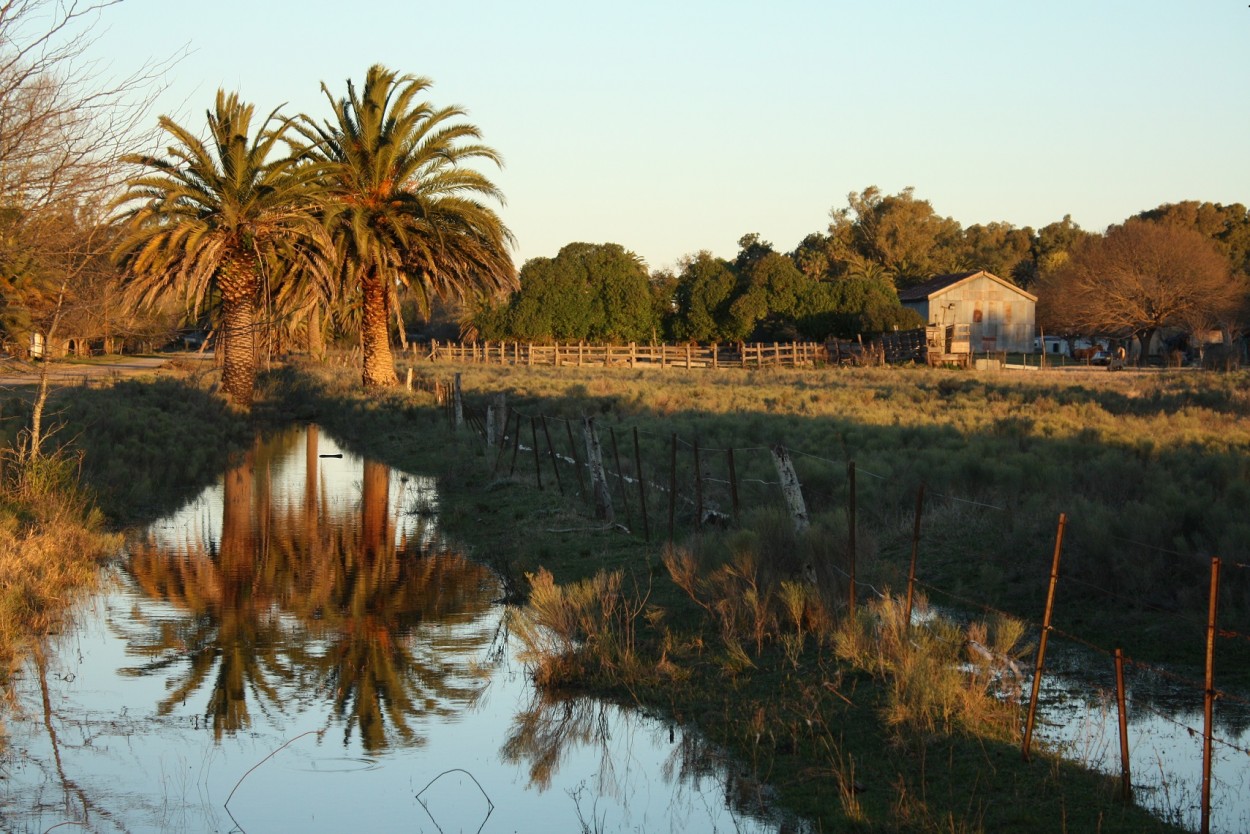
(14, 373)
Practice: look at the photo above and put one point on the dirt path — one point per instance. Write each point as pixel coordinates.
(14, 373)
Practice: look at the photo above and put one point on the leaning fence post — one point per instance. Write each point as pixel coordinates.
(620, 479)
(915, 549)
(1041, 645)
(555, 463)
(1126, 781)
(1208, 700)
(790, 488)
(598, 480)
(642, 489)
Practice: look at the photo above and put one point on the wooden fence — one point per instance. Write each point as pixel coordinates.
(632, 355)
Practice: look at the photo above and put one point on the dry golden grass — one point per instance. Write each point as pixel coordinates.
(50, 547)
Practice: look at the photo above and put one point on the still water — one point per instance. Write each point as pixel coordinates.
(298, 650)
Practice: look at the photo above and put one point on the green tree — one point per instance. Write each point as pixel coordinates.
(995, 247)
(897, 231)
(702, 298)
(588, 291)
(206, 219)
(403, 204)
(1228, 226)
(1050, 248)
(772, 294)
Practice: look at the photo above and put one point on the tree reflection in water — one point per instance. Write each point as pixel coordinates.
(303, 597)
(553, 726)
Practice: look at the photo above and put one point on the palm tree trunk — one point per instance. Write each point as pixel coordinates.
(379, 367)
(237, 281)
(316, 340)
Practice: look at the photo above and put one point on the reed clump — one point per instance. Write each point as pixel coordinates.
(51, 541)
(938, 677)
(581, 631)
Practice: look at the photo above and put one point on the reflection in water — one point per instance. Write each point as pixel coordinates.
(300, 634)
(298, 596)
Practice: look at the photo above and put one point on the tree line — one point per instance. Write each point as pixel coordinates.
(353, 225)
(1180, 265)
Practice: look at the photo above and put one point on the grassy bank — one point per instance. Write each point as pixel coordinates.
(117, 454)
(51, 541)
(730, 631)
(741, 628)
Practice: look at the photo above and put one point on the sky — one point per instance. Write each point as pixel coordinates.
(676, 126)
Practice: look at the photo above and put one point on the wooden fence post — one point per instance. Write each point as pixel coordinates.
(733, 483)
(516, 443)
(672, 489)
(915, 549)
(1126, 781)
(1041, 646)
(555, 463)
(490, 426)
(538, 467)
(408, 382)
(1208, 700)
(459, 404)
(791, 490)
(620, 479)
(698, 488)
(501, 416)
(598, 479)
(577, 461)
(851, 525)
(642, 488)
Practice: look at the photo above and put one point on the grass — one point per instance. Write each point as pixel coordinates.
(741, 629)
(51, 542)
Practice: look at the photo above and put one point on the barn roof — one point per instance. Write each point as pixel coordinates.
(941, 283)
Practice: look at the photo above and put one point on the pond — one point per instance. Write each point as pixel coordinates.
(299, 649)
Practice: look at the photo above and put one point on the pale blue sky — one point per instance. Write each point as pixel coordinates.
(670, 126)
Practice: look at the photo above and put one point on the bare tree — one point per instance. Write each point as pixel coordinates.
(64, 124)
(1138, 278)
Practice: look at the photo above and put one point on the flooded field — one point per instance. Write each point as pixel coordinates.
(297, 650)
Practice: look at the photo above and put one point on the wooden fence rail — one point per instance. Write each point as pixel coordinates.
(632, 355)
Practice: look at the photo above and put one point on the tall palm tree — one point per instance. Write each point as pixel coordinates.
(205, 221)
(403, 207)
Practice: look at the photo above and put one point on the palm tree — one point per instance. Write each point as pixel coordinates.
(402, 206)
(206, 220)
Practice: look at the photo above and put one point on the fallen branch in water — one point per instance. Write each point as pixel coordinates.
(288, 743)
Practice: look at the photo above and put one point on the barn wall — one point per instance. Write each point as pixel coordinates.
(999, 318)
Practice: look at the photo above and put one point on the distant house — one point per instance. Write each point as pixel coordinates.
(999, 315)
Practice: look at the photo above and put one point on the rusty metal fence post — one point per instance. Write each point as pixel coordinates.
(1041, 646)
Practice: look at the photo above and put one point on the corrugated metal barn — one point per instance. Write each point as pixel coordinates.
(999, 315)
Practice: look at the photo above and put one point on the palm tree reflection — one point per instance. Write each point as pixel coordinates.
(301, 598)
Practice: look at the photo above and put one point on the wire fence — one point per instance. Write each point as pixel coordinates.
(661, 486)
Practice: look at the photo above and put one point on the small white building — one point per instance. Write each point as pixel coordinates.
(1000, 316)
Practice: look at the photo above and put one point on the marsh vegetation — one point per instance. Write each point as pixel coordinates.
(742, 630)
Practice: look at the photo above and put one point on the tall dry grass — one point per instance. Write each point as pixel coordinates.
(51, 541)
(940, 677)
